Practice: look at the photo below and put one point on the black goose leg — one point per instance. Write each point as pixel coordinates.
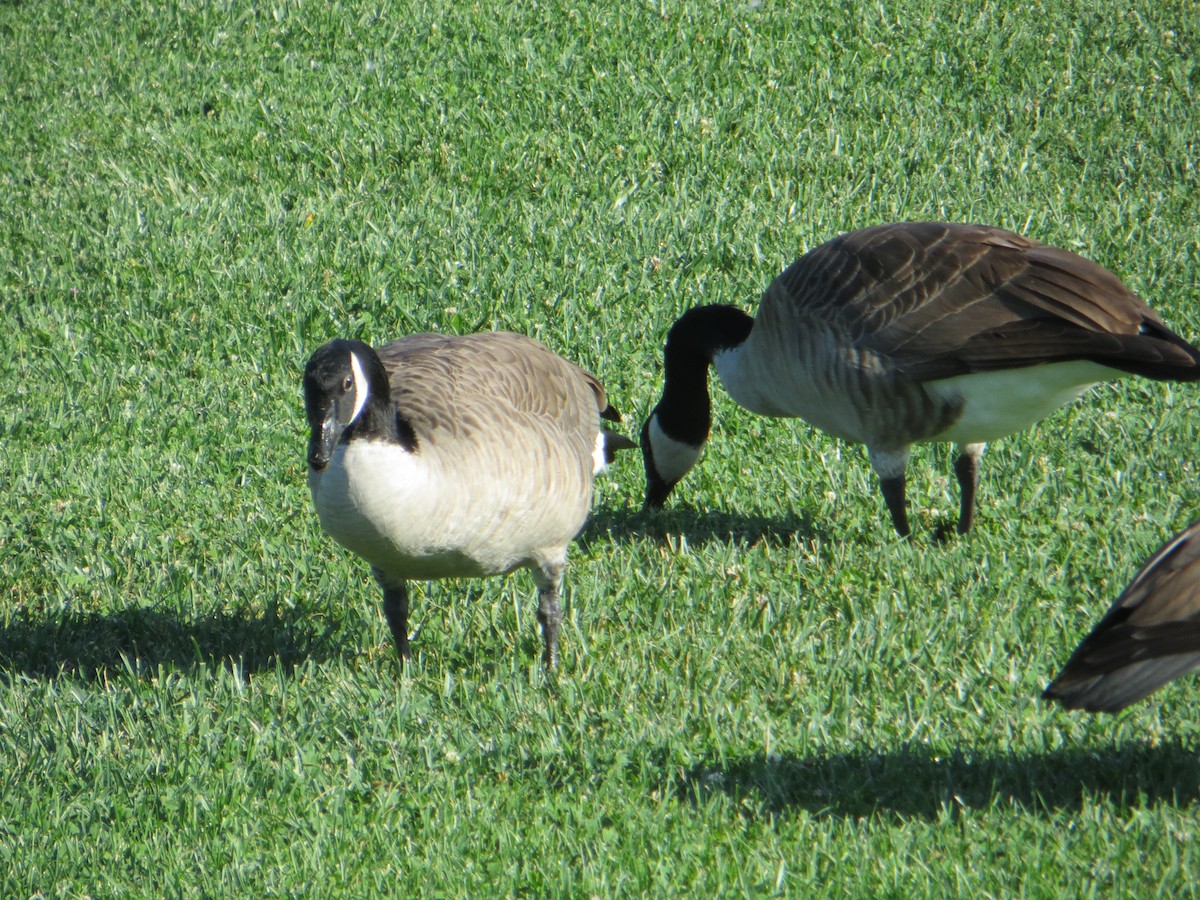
(894, 496)
(889, 465)
(549, 578)
(395, 609)
(966, 467)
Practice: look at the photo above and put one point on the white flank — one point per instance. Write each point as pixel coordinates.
(361, 390)
(672, 458)
(999, 403)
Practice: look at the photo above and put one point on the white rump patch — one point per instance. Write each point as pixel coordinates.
(361, 389)
(673, 459)
(599, 460)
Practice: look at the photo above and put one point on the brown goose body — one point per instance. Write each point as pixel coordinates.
(1149, 636)
(455, 457)
(911, 332)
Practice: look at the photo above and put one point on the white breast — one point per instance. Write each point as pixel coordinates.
(380, 501)
(799, 378)
(428, 515)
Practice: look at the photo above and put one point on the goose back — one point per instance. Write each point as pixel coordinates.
(870, 335)
(937, 300)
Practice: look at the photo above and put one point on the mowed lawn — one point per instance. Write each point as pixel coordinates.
(763, 690)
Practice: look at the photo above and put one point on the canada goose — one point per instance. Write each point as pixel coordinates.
(901, 333)
(1150, 635)
(443, 457)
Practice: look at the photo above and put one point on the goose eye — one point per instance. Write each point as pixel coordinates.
(347, 382)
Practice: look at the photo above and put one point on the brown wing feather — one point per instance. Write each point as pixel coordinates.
(937, 300)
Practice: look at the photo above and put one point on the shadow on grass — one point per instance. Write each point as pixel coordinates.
(698, 526)
(912, 784)
(140, 640)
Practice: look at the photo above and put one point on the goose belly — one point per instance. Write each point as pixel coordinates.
(408, 518)
(995, 404)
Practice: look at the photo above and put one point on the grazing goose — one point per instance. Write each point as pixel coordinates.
(444, 457)
(910, 332)
(1150, 635)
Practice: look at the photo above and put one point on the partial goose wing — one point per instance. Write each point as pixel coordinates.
(456, 387)
(1150, 635)
(938, 300)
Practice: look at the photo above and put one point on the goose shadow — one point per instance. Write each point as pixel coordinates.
(90, 646)
(915, 784)
(699, 526)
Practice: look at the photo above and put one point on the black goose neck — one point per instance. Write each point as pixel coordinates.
(377, 419)
(684, 412)
(701, 333)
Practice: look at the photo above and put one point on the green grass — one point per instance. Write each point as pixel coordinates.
(762, 690)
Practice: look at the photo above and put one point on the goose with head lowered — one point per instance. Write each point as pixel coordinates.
(446, 457)
(906, 333)
(1149, 636)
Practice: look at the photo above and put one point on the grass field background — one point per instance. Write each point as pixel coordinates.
(763, 691)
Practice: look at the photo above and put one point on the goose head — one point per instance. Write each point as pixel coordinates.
(343, 381)
(667, 459)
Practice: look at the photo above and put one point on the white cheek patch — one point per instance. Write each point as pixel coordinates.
(672, 458)
(361, 390)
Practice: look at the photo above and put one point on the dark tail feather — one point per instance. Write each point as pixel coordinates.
(1113, 691)
(1159, 353)
(614, 442)
(610, 414)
